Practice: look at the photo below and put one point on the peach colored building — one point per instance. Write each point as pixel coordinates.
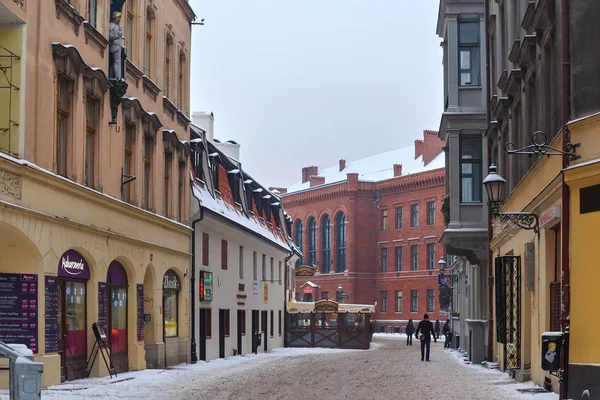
(80, 240)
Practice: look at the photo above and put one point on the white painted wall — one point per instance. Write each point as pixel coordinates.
(206, 121)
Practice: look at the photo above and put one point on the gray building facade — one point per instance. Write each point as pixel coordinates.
(461, 26)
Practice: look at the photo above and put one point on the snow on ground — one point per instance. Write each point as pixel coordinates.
(391, 369)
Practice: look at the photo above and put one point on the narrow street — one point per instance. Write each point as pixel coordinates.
(388, 370)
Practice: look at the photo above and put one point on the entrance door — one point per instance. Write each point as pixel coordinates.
(221, 333)
(72, 329)
(202, 330)
(117, 328)
(240, 329)
(254, 330)
(264, 327)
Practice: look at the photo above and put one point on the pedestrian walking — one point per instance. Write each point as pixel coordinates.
(427, 331)
(437, 329)
(446, 332)
(410, 329)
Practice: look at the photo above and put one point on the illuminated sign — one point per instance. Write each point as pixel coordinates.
(206, 286)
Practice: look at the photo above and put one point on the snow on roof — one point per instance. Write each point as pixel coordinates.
(228, 211)
(309, 283)
(377, 167)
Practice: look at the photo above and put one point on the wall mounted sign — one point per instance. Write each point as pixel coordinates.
(550, 216)
(266, 293)
(254, 288)
(140, 312)
(51, 314)
(72, 265)
(102, 304)
(206, 286)
(18, 310)
(305, 270)
(326, 305)
(307, 289)
(171, 281)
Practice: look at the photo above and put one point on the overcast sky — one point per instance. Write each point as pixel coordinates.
(307, 82)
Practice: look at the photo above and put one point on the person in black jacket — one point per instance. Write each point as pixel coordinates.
(446, 331)
(437, 328)
(427, 331)
(410, 329)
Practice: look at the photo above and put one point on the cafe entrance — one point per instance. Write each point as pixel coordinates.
(117, 316)
(73, 274)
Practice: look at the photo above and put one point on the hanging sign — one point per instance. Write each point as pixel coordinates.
(206, 286)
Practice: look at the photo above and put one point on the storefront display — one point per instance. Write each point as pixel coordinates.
(171, 288)
(117, 315)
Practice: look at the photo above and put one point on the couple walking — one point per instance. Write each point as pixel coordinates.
(427, 331)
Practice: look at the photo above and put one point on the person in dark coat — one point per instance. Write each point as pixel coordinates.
(427, 331)
(410, 329)
(446, 332)
(437, 328)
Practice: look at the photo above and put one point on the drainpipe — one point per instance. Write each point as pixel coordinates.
(194, 354)
(565, 224)
(490, 350)
(285, 317)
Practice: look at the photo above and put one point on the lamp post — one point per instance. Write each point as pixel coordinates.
(495, 186)
(340, 294)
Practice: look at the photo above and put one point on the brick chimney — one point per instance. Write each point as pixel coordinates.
(397, 170)
(432, 146)
(307, 172)
(316, 180)
(342, 165)
(419, 148)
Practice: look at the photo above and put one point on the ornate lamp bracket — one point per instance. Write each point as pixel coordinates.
(525, 220)
(539, 146)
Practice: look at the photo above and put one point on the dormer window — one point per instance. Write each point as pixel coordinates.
(234, 184)
(215, 173)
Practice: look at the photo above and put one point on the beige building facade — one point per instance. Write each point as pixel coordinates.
(94, 194)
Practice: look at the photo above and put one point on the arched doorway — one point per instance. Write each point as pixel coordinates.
(71, 318)
(171, 289)
(117, 316)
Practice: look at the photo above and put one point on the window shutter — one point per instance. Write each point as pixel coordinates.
(223, 254)
(205, 249)
(530, 266)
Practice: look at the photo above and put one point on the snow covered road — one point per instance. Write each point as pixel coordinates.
(390, 370)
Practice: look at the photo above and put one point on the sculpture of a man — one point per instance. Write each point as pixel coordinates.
(115, 48)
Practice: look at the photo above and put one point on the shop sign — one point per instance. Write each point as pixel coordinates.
(326, 305)
(305, 270)
(51, 314)
(254, 288)
(73, 265)
(140, 312)
(206, 286)
(550, 216)
(308, 289)
(266, 293)
(18, 310)
(171, 281)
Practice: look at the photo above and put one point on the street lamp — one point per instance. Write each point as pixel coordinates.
(442, 264)
(340, 294)
(495, 186)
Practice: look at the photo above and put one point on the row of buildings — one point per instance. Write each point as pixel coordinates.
(520, 92)
(107, 189)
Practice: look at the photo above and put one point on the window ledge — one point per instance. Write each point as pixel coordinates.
(91, 33)
(150, 87)
(134, 71)
(169, 107)
(70, 13)
(474, 87)
(182, 119)
(471, 204)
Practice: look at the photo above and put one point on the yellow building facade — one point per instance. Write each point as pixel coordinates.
(81, 240)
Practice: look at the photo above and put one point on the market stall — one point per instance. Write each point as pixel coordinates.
(326, 323)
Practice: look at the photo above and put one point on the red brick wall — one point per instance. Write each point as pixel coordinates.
(362, 202)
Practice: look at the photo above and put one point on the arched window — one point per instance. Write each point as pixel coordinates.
(326, 244)
(312, 241)
(340, 235)
(298, 239)
(171, 289)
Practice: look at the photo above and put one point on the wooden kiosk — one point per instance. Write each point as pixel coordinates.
(326, 323)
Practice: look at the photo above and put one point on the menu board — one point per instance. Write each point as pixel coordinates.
(102, 304)
(18, 310)
(140, 313)
(51, 314)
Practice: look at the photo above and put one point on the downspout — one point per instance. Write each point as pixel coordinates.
(285, 316)
(194, 355)
(565, 211)
(490, 350)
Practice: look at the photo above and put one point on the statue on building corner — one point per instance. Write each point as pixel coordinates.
(117, 60)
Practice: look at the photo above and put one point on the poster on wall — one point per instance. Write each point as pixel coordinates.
(51, 314)
(140, 312)
(18, 310)
(254, 288)
(266, 293)
(102, 304)
(206, 286)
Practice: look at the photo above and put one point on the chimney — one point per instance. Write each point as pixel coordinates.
(419, 148)
(432, 146)
(397, 170)
(206, 121)
(316, 180)
(342, 165)
(307, 172)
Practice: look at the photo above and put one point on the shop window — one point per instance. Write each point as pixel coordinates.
(76, 327)
(399, 301)
(63, 124)
(312, 241)
(167, 183)
(298, 239)
(128, 160)
(340, 233)
(224, 254)
(398, 259)
(171, 288)
(398, 217)
(205, 249)
(91, 140)
(117, 283)
(326, 244)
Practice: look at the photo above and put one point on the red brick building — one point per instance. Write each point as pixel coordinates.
(372, 227)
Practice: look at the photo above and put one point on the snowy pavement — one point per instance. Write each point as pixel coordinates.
(389, 370)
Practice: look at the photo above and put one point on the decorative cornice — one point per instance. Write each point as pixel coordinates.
(134, 72)
(150, 87)
(70, 13)
(98, 74)
(170, 136)
(96, 37)
(60, 50)
(182, 119)
(187, 9)
(151, 118)
(169, 107)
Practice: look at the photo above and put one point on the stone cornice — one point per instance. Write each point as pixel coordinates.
(187, 9)
(135, 72)
(150, 87)
(96, 37)
(72, 15)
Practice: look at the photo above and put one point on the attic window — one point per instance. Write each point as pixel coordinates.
(215, 173)
(234, 185)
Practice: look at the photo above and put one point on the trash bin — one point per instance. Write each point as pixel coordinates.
(551, 347)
